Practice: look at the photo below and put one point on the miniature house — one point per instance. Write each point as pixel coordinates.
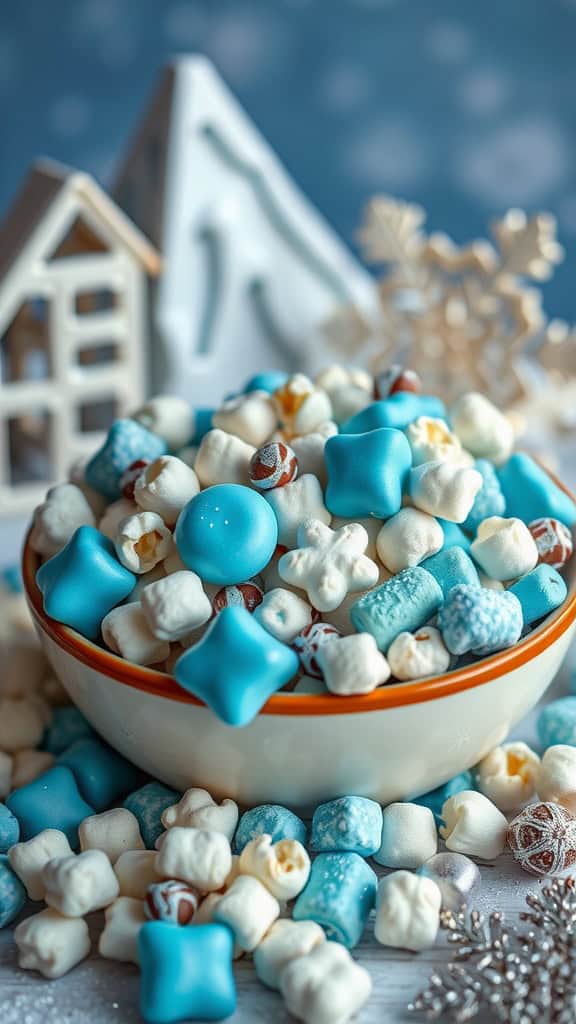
(251, 270)
(73, 327)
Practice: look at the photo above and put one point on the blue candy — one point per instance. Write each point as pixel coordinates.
(476, 619)
(339, 895)
(52, 800)
(127, 441)
(147, 804)
(366, 473)
(12, 893)
(436, 798)
(349, 824)
(557, 723)
(9, 829)
(12, 578)
(397, 411)
(84, 581)
(236, 666)
(269, 819)
(451, 566)
(268, 381)
(67, 726)
(202, 424)
(539, 592)
(186, 973)
(404, 603)
(531, 494)
(102, 775)
(226, 534)
(454, 536)
(489, 500)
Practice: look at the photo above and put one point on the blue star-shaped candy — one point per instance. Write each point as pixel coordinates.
(186, 972)
(236, 666)
(84, 581)
(366, 473)
(127, 441)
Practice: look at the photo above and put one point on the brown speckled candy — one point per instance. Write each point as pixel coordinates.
(274, 465)
(396, 378)
(238, 595)
(171, 901)
(130, 476)
(553, 540)
(542, 839)
(308, 641)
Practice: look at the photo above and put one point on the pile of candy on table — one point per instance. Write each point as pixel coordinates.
(319, 528)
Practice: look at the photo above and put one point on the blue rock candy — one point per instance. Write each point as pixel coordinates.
(269, 819)
(489, 500)
(127, 441)
(539, 592)
(531, 494)
(451, 566)
(12, 893)
(397, 411)
(349, 824)
(102, 775)
(52, 800)
(479, 620)
(404, 603)
(339, 895)
(366, 473)
(557, 723)
(147, 804)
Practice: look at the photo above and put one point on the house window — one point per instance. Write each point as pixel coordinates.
(25, 345)
(103, 300)
(29, 447)
(79, 240)
(96, 414)
(105, 353)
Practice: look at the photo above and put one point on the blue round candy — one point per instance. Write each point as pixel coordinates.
(226, 534)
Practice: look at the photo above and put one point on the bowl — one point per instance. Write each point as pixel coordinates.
(397, 742)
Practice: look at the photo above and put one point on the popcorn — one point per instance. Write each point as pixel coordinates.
(296, 502)
(504, 548)
(431, 440)
(119, 939)
(29, 859)
(407, 911)
(283, 614)
(135, 871)
(142, 540)
(473, 825)
(196, 809)
(352, 664)
(166, 486)
(223, 459)
(284, 942)
(22, 722)
(329, 564)
(283, 867)
(51, 944)
(418, 655)
(556, 776)
(335, 377)
(482, 428)
(194, 855)
(407, 538)
(249, 909)
(300, 406)
(251, 417)
(78, 884)
(507, 776)
(113, 832)
(444, 489)
(65, 509)
(170, 417)
(409, 836)
(175, 605)
(325, 986)
(125, 631)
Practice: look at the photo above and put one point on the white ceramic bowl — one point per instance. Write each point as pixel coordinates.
(397, 742)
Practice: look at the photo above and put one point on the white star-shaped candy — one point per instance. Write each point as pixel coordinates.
(329, 564)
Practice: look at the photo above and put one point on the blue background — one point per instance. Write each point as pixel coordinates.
(466, 107)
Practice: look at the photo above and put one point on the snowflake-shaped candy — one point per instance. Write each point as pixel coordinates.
(329, 564)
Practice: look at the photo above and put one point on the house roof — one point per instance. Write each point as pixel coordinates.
(44, 182)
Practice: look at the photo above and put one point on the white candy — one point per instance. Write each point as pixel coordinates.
(51, 944)
(195, 855)
(223, 459)
(336, 376)
(29, 859)
(407, 538)
(28, 765)
(431, 440)
(329, 564)
(445, 490)
(309, 451)
(504, 548)
(142, 540)
(556, 776)
(372, 527)
(347, 401)
(325, 986)
(170, 417)
(113, 832)
(135, 871)
(285, 941)
(340, 617)
(22, 722)
(196, 809)
(165, 487)
(352, 664)
(77, 476)
(409, 836)
(23, 670)
(175, 605)
(474, 826)
(293, 504)
(249, 909)
(205, 911)
(64, 510)
(6, 763)
(126, 632)
(78, 884)
(283, 614)
(283, 867)
(407, 911)
(507, 776)
(417, 655)
(145, 579)
(119, 940)
(300, 406)
(114, 515)
(490, 584)
(482, 428)
(251, 417)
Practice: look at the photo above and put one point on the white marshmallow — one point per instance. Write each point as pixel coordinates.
(474, 826)
(114, 515)
(29, 859)
(77, 476)
(325, 986)
(407, 538)
(22, 722)
(417, 655)
(23, 670)
(352, 664)
(556, 776)
(504, 548)
(51, 944)
(165, 487)
(407, 911)
(223, 459)
(431, 440)
(145, 579)
(249, 909)
(283, 867)
(205, 912)
(507, 776)
(285, 941)
(329, 564)
(195, 855)
(482, 428)
(113, 832)
(64, 510)
(125, 631)
(6, 763)
(28, 765)
(119, 940)
(170, 417)
(300, 405)
(175, 605)
(445, 490)
(197, 809)
(296, 502)
(283, 614)
(142, 540)
(337, 376)
(250, 417)
(409, 836)
(347, 401)
(309, 451)
(135, 871)
(78, 884)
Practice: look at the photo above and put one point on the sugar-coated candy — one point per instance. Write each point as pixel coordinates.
(539, 592)
(339, 895)
(58, 517)
(197, 809)
(329, 564)
(80, 883)
(102, 774)
(293, 504)
(451, 566)
(348, 824)
(165, 486)
(283, 614)
(12, 892)
(397, 378)
(9, 829)
(22, 722)
(186, 973)
(51, 944)
(532, 494)
(274, 465)
(366, 473)
(457, 877)
(127, 441)
(250, 416)
(147, 805)
(266, 380)
(352, 664)
(67, 726)
(119, 939)
(325, 986)
(553, 541)
(308, 643)
(300, 405)
(444, 489)
(407, 911)
(113, 832)
(401, 604)
(169, 416)
(236, 666)
(479, 620)
(482, 428)
(126, 632)
(130, 476)
(283, 867)
(88, 555)
(431, 440)
(52, 801)
(175, 605)
(283, 942)
(417, 655)
(473, 825)
(197, 856)
(28, 765)
(223, 459)
(407, 538)
(28, 859)
(249, 909)
(172, 901)
(436, 798)
(504, 548)
(507, 775)
(489, 500)
(396, 411)
(409, 836)
(135, 872)
(269, 819)
(542, 839)
(556, 776)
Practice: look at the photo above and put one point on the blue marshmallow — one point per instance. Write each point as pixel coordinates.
(269, 819)
(127, 441)
(489, 500)
(349, 824)
(12, 893)
(539, 592)
(68, 725)
(102, 775)
(476, 619)
(52, 800)
(366, 473)
(402, 604)
(531, 494)
(339, 895)
(454, 536)
(436, 798)
(147, 804)
(397, 411)
(451, 566)
(9, 829)
(557, 723)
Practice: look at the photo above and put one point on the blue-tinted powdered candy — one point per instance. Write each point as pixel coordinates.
(479, 620)
(366, 473)
(451, 566)
(489, 500)
(12, 893)
(557, 723)
(531, 494)
(348, 824)
(127, 441)
(9, 829)
(147, 805)
(269, 819)
(539, 592)
(402, 604)
(339, 895)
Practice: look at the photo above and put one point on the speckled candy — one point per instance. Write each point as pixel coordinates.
(451, 566)
(241, 595)
(349, 824)
(539, 592)
(339, 895)
(397, 378)
(542, 839)
(171, 901)
(127, 441)
(479, 620)
(402, 604)
(272, 820)
(553, 540)
(9, 829)
(147, 804)
(12, 893)
(557, 723)
(489, 500)
(273, 465)
(308, 642)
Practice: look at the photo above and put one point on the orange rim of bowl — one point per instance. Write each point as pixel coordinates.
(396, 695)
